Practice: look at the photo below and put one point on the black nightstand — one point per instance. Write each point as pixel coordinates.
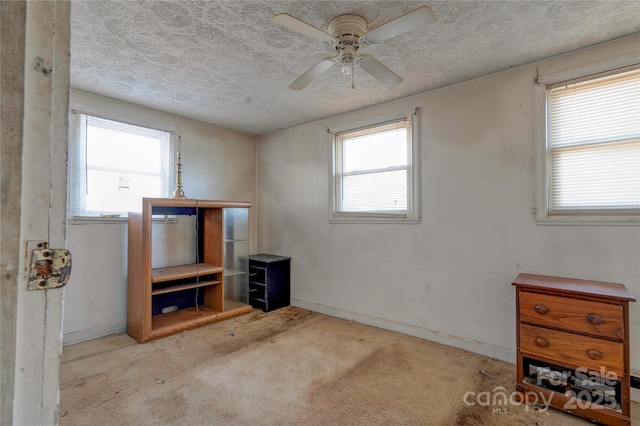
(269, 281)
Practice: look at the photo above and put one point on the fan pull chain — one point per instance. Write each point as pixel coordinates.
(353, 83)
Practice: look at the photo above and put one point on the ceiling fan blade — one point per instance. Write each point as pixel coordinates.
(295, 24)
(419, 18)
(313, 73)
(383, 74)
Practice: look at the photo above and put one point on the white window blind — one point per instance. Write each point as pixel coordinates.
(112, 165)
(593, 142)
(373, 170)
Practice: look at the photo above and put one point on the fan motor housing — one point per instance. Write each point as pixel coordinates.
(347, 29)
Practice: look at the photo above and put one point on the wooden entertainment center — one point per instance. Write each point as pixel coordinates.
(166, 300)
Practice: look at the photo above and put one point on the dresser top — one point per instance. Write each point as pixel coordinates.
(602, 290)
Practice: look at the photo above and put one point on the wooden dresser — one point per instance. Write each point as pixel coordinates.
(573, 346)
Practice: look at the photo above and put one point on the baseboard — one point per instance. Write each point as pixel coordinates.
(93, 333)
(492, 351)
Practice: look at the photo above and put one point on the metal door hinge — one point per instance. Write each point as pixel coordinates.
(50, 268)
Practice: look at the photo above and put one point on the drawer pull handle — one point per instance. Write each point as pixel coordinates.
(594, 319)
(541, 309)
(595, 355)
(251, 290)
(253, 275)
(543, 343)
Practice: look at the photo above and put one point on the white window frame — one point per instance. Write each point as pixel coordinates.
(413, 185)
(542, 153)
(126, 119)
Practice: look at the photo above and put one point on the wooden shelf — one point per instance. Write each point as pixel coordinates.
(191, 202)
(185, 319)
(149, 290)
(182, 319)
(171, 273)
(181, 287)
(233, 272)
(231, 306)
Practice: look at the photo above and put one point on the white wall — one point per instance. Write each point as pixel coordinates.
(218, 164)
(449, 278)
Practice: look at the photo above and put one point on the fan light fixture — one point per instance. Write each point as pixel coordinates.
(348, 33)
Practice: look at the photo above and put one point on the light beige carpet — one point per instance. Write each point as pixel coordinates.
(288, 367)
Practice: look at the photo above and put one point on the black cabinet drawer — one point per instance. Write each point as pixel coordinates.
(257, 291)
(257, 274)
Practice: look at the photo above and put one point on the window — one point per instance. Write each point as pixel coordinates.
(374, 174)
(112, 165)
(592, 150)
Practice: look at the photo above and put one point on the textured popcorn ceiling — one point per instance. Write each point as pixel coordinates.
(224, 63)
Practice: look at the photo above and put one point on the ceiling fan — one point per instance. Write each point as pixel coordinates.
(348, 33)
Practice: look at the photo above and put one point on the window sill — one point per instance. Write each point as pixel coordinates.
(374, 219)
(588, 220)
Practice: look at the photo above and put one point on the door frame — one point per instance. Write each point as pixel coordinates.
(35, 97)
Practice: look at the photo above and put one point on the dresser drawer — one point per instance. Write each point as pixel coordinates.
(595, 318)
(257, 291)
(572, 349)
(257, 274)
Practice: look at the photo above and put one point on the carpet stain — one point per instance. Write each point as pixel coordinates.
(290, 314)
(388, 377)
(92, 378)
(255, 316)
(472, 417)
(168, 408)
(487, 400)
